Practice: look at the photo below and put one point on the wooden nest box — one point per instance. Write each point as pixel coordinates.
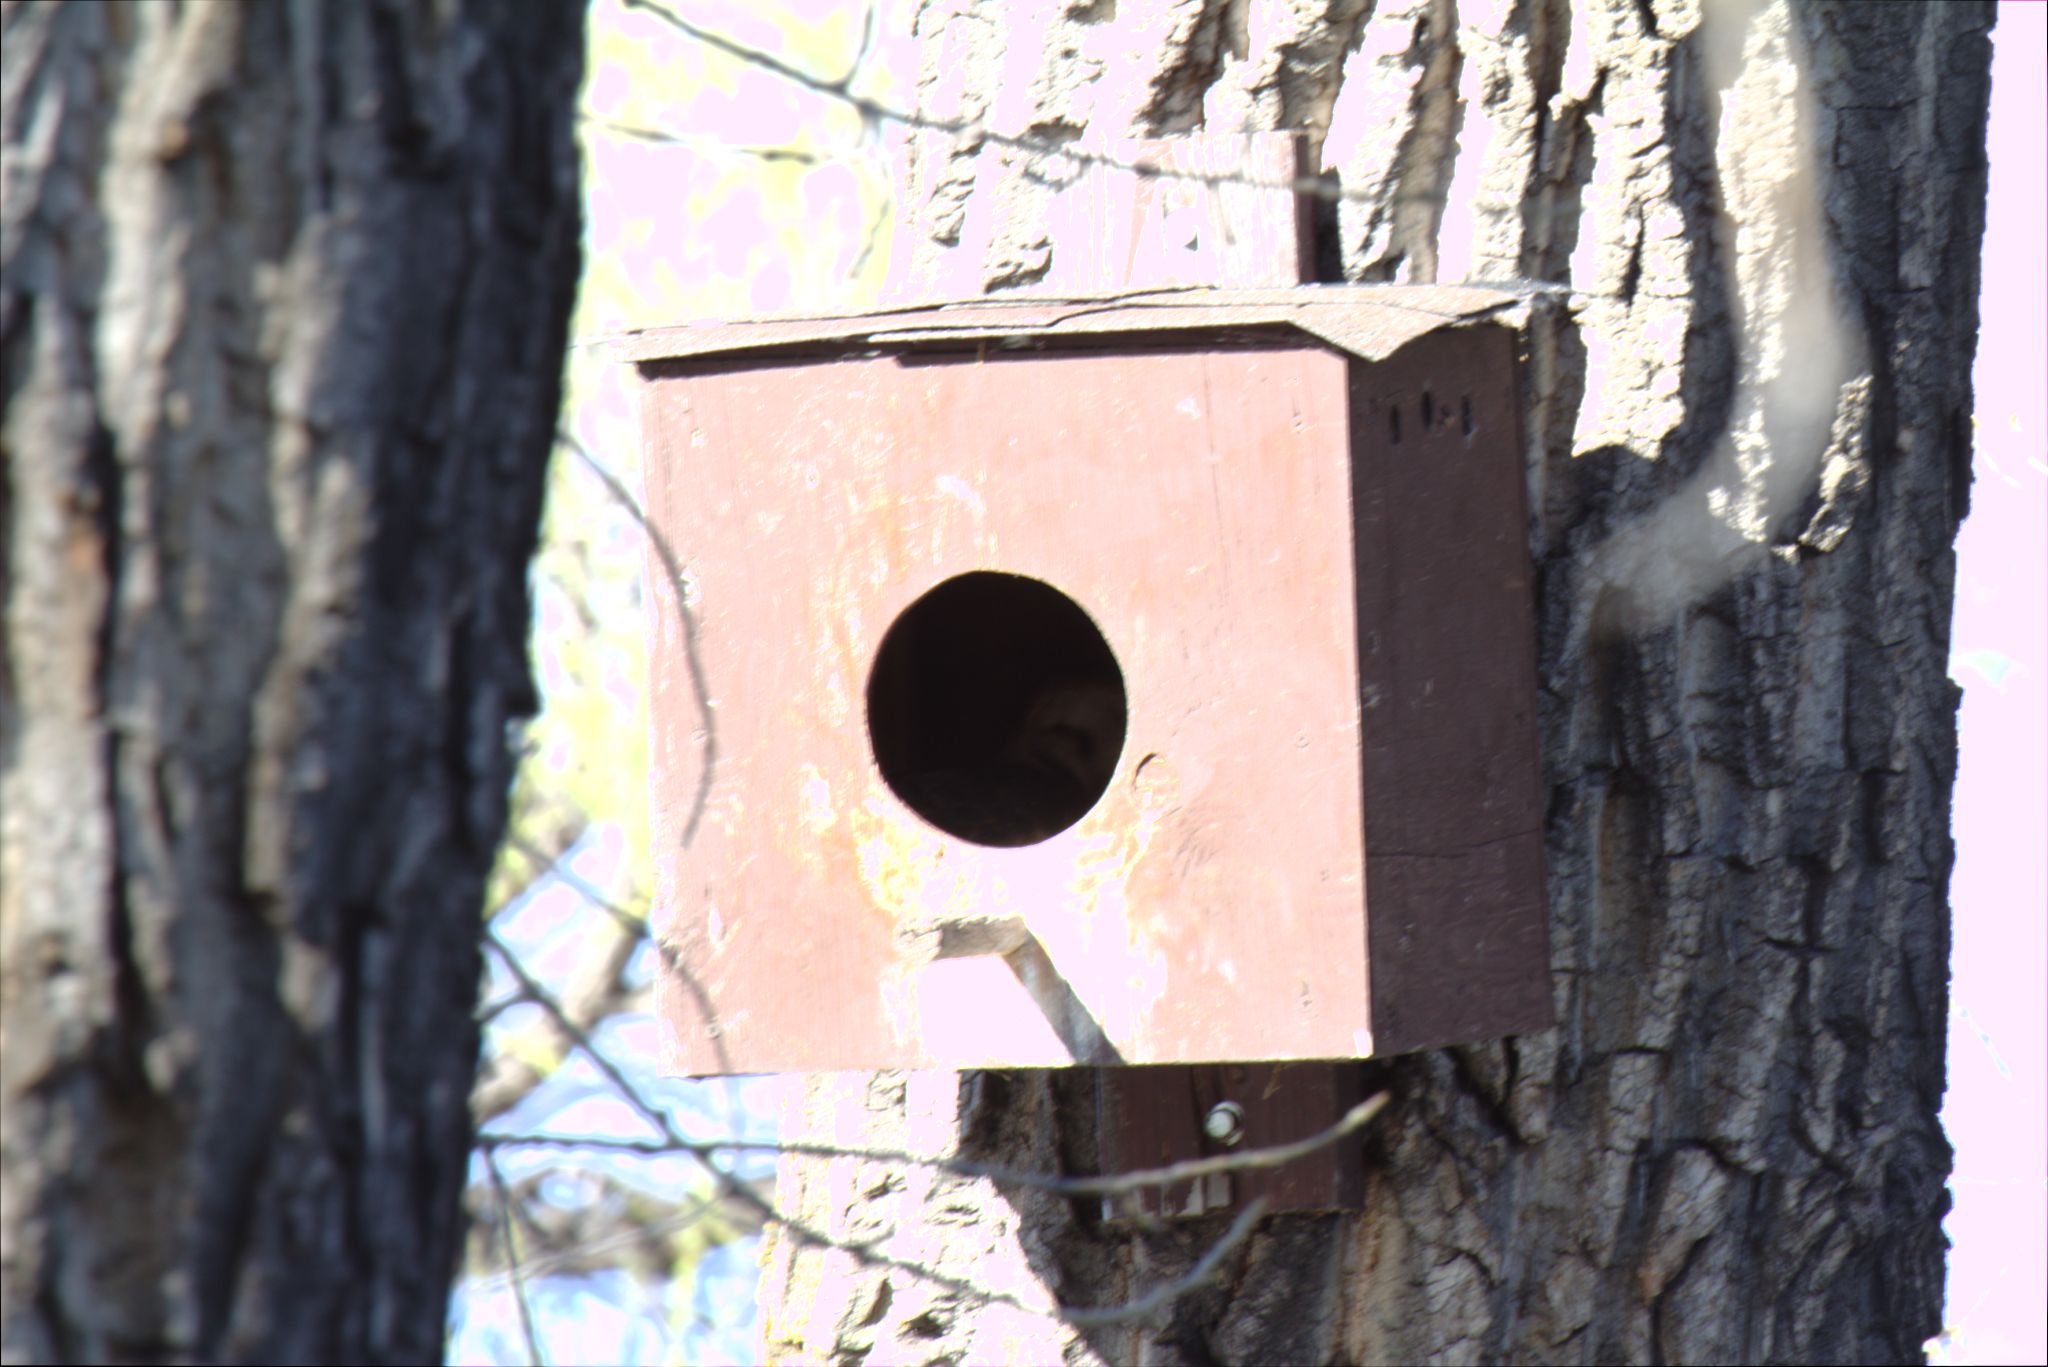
(1137, 679)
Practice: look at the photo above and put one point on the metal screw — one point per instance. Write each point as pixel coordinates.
(1224, 1123)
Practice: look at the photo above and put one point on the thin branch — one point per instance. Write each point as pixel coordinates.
(864, 1253)
(512, 1269)
(635, 923)
(867, 42)
(539, 995)
(699, 684)
(773, 153)
(973, 129)
(867, 1253)
(1163, 1295)
(638, 925)
(872, 238)
(595, 991)
(1117, 1184)
(873, 111)
(738, 1190)
(490, 1011)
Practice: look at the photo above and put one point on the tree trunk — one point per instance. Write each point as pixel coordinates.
(1749, 441)
(285, 305)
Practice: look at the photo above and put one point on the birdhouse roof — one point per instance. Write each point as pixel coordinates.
(1367, 321)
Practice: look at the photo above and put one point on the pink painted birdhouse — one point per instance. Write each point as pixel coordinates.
(1143, 679)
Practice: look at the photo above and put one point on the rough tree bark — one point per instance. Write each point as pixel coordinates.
(1749, 445)
(286, 297)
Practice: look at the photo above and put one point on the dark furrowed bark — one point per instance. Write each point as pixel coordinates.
(284, 311)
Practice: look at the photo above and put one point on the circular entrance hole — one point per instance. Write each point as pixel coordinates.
(996, 709)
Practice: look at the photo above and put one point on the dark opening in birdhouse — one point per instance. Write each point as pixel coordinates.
(996, 709)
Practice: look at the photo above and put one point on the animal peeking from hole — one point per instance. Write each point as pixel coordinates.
(1054, 759)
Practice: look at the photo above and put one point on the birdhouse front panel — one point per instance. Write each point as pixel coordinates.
(1016, 694)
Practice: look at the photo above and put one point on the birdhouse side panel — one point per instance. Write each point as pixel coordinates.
(1446, 618)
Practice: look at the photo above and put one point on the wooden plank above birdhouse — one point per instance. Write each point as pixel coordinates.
(1142, 678)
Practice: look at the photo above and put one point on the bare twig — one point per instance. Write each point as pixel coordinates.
(865, 1253)
(702, 143)
(701, 687)
(578, 1036)
(632, 922)
(874, 110)
(1084, 1316)
(596, 990)
(1116, 1184)
(673, 568)
(512, 1259)
(673, 1141)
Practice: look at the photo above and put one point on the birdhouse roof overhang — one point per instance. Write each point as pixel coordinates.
(1370, 322)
